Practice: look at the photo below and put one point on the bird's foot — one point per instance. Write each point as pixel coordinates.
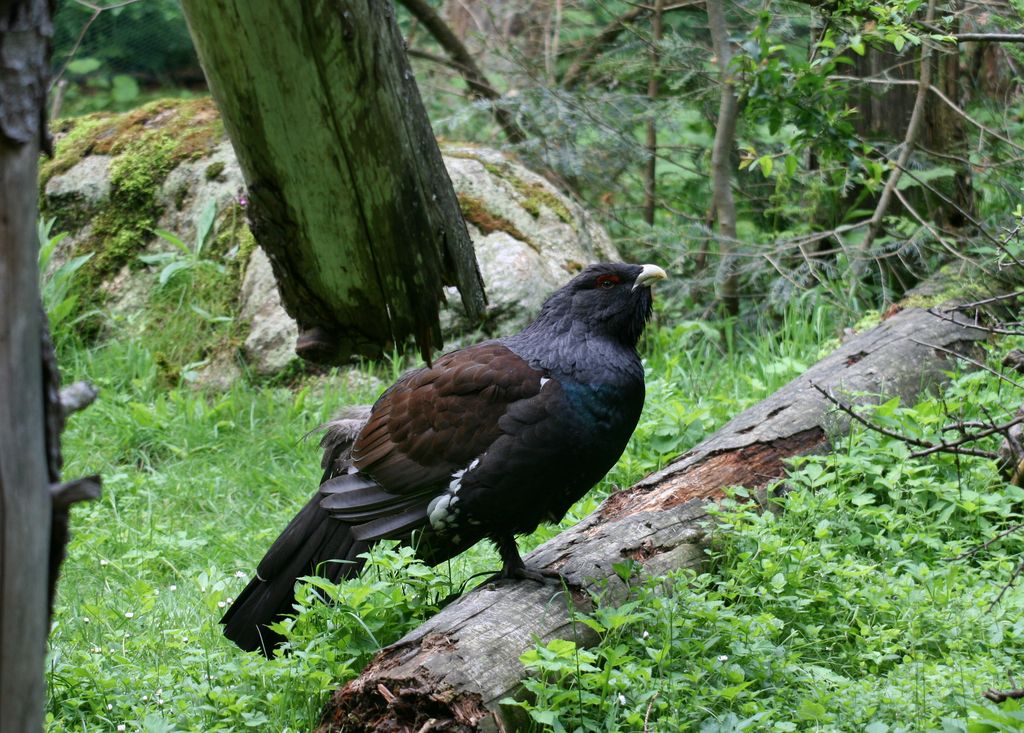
(544, 577)
(513, 567)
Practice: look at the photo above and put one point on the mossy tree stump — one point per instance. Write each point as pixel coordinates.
(348, 193)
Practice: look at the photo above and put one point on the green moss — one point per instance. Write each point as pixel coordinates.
(533, 196)
(953, 283)
(214, 170)
(869, 320)
(145, 145)
(477, 214)
(193, 124)
(122, 227)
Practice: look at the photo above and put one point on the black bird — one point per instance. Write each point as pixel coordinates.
(488, 442)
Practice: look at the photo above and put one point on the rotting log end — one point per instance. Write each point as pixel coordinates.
(403, 706)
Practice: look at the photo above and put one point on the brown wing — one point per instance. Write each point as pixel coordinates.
(436, 420)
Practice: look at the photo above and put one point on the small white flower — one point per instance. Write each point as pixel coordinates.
(228, 599)
(85, 619)
(96, 650)
(184, 640)
(104, 562)
(122, 726)
(129, 614)
(172, 587)
(156, 591)
(646, 634)
(110, 706)
(724, 658)
(239, 574)
(622, 699)
(221, 604)
(145, 697)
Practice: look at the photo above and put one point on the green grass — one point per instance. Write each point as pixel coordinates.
(197, 485)
(855, 606)
(827, 614)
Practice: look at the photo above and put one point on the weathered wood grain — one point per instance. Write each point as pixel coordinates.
(457, 666)
(348, 194)
(24, 496)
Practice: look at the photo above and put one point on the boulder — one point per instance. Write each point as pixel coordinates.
(117, 178)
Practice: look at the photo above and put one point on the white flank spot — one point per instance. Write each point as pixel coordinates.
(441, 511)
(456, 483)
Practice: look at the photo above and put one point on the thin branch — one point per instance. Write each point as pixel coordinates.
(927, 447)
(608, 35)
(969, 360)
(1004, 695)
(913, 129)
(477, 83)
(97, 10)
(936, 235)
(955, 446)
(650, 202)
(993, 299)
(994, 37)
(987, 329)
(1009, 584)
(988, 543)
(938, 93)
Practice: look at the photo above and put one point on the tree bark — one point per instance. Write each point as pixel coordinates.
(25, 32)
(459, 665)
(721, 170)
(348, 193)
(650, 173)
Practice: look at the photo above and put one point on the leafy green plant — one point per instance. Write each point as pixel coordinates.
(851, 607)
(56, 284)
(184, 258)
(1008, 717)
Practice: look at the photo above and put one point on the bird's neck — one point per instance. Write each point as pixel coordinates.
(569, 350)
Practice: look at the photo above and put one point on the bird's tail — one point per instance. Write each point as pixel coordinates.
(312, 544)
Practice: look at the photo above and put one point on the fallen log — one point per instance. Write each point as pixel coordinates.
(452, 672)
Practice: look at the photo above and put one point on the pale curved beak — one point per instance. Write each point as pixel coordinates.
(648, 275)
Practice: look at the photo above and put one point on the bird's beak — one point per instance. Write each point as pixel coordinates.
(648, 275)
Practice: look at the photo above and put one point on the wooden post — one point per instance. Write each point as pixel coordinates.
(24, 480)
(348, 193)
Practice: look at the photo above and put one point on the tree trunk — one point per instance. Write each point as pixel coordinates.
(721, 170)
(348, 193)
(457, 666)
(651, 169)
(25, 32)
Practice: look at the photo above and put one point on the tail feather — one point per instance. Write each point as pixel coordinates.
(312, 544)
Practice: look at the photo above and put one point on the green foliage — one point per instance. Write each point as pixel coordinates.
(116, 57)
(850, 606)
(56, 285)
(183, 258)
(197, 485)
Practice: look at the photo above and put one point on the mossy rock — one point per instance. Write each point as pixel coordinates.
(115, 180)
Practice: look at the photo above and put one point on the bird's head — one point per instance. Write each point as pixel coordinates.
(609, 298)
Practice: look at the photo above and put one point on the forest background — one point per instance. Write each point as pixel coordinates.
(798, 168)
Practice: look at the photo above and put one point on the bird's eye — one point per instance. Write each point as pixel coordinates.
(608, 281)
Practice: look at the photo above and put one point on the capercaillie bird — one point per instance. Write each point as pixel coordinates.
(488, 442)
